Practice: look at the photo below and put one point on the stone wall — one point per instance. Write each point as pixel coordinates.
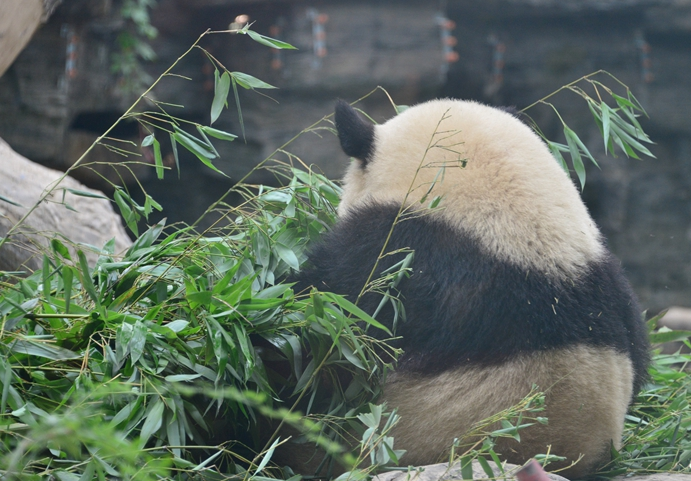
(510, 52)
(643, 207)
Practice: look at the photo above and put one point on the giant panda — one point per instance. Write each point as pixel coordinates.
(511, 283)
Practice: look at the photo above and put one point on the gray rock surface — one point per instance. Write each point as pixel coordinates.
(19, 19)
(643, 208)
(441, 471)
(655, 477)
(437, 472)
(92, 222)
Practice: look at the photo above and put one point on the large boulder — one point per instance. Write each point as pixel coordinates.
(442, 471)
(92, 222)
(19, 19)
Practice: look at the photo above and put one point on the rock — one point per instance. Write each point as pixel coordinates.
(440, 471)
(655, 477)
(92, 222)
(19, 19)
(510, 52)
(437, 472)
(677, 318)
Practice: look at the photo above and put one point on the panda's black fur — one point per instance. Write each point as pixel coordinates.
(473, 312)
(458, 299)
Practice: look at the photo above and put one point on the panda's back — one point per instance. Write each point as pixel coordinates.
(465, 306)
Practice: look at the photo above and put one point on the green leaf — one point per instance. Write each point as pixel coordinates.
(267, 457)
(268, 41)
(67, 278)
(148, 140)
(158, 160)
(84, 193)
(198, 148)
(667, 335)
(123, 201)
(467, 468)
(625, 103)
(221, 90)
(147, 239)
(575, 155)
(10, 201)
(6, 383)
(152, 424)
(353, 309)
(628, 139)
(173, 429)
(182, 377)
(219, 134)
(486, 467)
(237, 104)
(60, 249)
(138, 341)
(249, 82)
(177, 325)
(287, 255)
(555, 149)
(605, 124)
(207, 141)
(85, 277)
(45, 278)
(174, 146)
(42, 349)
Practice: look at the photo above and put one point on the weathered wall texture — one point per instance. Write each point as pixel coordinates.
(509, 52)
(643, 208)
(19, 19)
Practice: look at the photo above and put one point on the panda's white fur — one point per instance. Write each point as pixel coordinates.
(587, 394)
(511, 284)
(509, 189)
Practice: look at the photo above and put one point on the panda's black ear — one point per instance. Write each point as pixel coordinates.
(356, 135)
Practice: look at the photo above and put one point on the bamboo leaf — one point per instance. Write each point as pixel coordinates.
(237, 104)
(60, 249)
(174, 146)
(152, 424)
(219, 134)
(67, 278)
(6, 383)
(85, 193)
(85, 277)
(148, 140)
(353, 309)
(287, 255)
(182, 377)
(606, 125)
(486, 467)
(268, 41)
(42, 349)
(668, 335)
(249, 82)
(221, 90)
(556, 150)
(45, 273)
(130, 216)
(467, 468)
(207, 141)
(267, 457)
(138, 341)
(158, 160)
(575, 155)
(10, 201)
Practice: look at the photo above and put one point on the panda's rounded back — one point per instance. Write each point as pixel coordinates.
(498, 181)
